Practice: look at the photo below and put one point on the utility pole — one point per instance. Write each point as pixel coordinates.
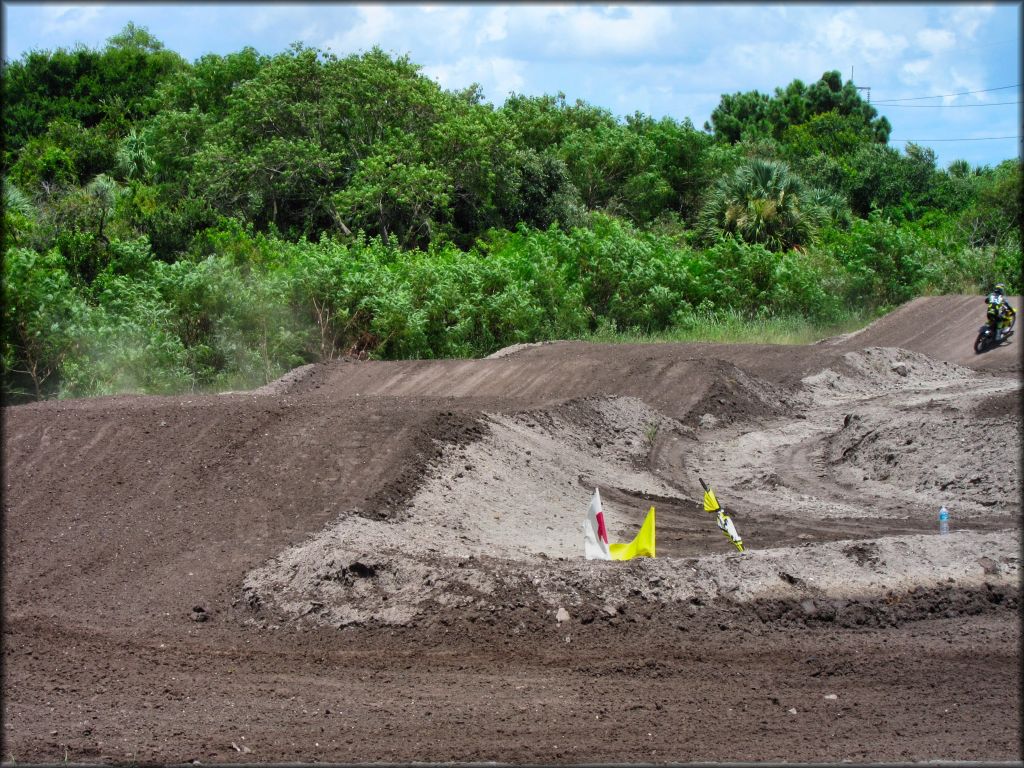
(865, 88)
(861, 87)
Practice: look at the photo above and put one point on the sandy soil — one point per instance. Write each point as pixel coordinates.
(383, 561)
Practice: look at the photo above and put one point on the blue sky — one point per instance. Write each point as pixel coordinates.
(659, 59)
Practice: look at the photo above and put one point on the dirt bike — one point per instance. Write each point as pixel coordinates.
(989, 338)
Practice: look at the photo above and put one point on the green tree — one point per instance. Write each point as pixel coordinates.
(66, 154)
(615, 168)
(829, 133)
(740, 116)
(295, 134)
(395, 193)
(472, 146)
(535, 189)
(683, 161)
(208, 83)
(19, 213)
(753, 115)
(544, 122)
(83, 86)
(133, 160)
(883, 261)
(994, 216)
(881, 178)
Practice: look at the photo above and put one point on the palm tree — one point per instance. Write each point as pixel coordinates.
(763, 202)
(133, 159)
(15, 200)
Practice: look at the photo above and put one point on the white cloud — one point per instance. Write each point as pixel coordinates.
(915, 69)
(453, 24)
(932, 77)
(560, 9)
(264, 17)
(839, 31)
(429, 34)
(498, 76)
(936, 41)
(962, 82)
(967, 19)
(848, 33)
(494, 26)
(69, 19)
(761, 66)
(879, 46)
(638, 30)
(567, 31)
(373, 28)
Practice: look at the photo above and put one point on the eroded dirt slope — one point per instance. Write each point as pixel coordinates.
(371, 560)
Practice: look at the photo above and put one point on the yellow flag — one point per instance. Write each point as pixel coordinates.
(710, 502)
(641, 546)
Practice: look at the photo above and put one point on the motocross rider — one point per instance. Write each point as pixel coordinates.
(1000, 313)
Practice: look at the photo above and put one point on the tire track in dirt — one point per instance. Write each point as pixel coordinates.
(785, 464)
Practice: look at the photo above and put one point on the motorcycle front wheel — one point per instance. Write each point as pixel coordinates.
(981, 343)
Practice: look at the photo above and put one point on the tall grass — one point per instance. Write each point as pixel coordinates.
(734, 327)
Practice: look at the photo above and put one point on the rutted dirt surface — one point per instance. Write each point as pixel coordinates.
(383, 561)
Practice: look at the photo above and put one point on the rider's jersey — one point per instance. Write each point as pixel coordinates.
(999, 311)
(997, 305)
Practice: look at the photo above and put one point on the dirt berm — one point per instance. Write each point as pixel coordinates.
(383, 560)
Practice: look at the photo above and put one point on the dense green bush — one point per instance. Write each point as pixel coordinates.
(882, 262)
(247, 307)
(126, 343)
(43, 315)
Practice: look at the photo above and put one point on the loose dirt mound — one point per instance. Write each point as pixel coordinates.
(511, 350)
(875, 370)
(429, 446)
(324, 582)
(966, 460)
(514, 492)
(734, 396)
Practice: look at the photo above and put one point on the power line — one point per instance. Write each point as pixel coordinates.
(976, 138)
(948, 95)
(950, 106)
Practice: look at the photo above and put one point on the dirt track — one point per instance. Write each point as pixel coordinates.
(380, 551)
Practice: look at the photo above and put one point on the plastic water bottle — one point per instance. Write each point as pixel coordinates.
(943, 520)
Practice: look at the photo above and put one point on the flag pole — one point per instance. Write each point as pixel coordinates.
(725, 523)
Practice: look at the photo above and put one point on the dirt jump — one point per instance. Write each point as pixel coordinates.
(383, 561)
